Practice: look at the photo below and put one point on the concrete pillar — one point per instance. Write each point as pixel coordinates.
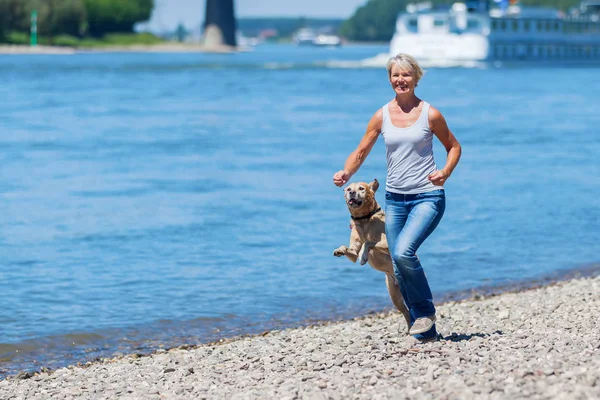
(219, 23)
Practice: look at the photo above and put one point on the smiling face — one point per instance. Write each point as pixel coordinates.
(402, 80)
(404, 73)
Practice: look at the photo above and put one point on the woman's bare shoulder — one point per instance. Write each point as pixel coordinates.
(377, 119)
(434, 114)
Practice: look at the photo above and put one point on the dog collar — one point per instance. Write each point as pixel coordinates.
(369, 215)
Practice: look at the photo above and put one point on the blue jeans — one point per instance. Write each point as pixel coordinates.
(409, 220)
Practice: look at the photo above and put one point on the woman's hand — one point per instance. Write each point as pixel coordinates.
(340, 178)
(438, 177)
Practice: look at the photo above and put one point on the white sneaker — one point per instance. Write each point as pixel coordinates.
(422, 325)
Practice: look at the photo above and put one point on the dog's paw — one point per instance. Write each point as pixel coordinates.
(340, 251)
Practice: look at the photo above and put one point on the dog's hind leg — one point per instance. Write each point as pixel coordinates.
(396, 297)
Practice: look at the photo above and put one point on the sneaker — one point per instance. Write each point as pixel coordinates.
(422, 325)
(435, 338)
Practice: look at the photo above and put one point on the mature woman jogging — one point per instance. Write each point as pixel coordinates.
(415, 199)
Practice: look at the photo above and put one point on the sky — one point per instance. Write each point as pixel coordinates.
(169, 13)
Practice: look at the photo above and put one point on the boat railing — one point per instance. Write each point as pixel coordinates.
(442, 22)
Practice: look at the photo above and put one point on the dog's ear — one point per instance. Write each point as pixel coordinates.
(374, 185)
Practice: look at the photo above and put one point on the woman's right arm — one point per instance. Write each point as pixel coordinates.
(358, 156)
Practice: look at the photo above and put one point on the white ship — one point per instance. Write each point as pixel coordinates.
(482, 30)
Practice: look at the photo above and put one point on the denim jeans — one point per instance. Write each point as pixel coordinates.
(409, 220)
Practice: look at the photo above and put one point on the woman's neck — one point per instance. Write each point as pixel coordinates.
(407, 102)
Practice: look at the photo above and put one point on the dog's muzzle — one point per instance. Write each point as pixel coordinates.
(354, 203)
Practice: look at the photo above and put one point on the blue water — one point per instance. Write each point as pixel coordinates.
(151, 200)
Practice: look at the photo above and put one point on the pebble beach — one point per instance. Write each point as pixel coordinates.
(541, 343)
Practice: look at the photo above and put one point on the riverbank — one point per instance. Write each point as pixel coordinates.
(151, 48)
(538, 343)
(21, 49)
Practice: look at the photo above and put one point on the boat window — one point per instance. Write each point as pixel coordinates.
(541, 26)
(514, 25)
(472, 24)
(438, 22)
(494, 24)
(526, 25)
(569, 27)
(556, 26)
(413, 25)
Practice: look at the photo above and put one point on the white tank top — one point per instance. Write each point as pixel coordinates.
(409, 154)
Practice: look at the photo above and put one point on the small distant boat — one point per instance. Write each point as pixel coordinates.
(304, 37)
(245, 41)
(327, 40)
(308, 37)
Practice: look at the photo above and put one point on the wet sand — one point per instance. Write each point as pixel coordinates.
(538, 343)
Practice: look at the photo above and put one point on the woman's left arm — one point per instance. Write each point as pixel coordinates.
(438, 126)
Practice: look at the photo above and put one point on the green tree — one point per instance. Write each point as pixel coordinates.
(54, 16)
(69, 18)
(14, 16)
(106, 16)
(563, 5)
(375, 21)
(61, 17)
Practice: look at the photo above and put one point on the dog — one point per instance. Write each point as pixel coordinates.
(368, 242)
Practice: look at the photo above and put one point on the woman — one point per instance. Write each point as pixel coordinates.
(415, 198)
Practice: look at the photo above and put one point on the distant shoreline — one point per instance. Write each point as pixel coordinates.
(155, 48)
(169, 47)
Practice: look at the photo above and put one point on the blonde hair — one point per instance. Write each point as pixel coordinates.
(406, 63)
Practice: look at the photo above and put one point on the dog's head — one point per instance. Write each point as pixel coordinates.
(360, 197)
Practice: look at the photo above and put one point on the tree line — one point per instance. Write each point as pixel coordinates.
(376, 20)
(78, 18)
(286, 27)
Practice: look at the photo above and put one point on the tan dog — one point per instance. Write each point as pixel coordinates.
(367, 238)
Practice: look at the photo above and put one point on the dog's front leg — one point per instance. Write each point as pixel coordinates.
(350, 252)
(363, 255)
(345, 251)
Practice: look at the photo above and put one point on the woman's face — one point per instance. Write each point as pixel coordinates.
(402, 80)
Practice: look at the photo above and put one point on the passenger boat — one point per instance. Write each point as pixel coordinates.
(482, 30)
